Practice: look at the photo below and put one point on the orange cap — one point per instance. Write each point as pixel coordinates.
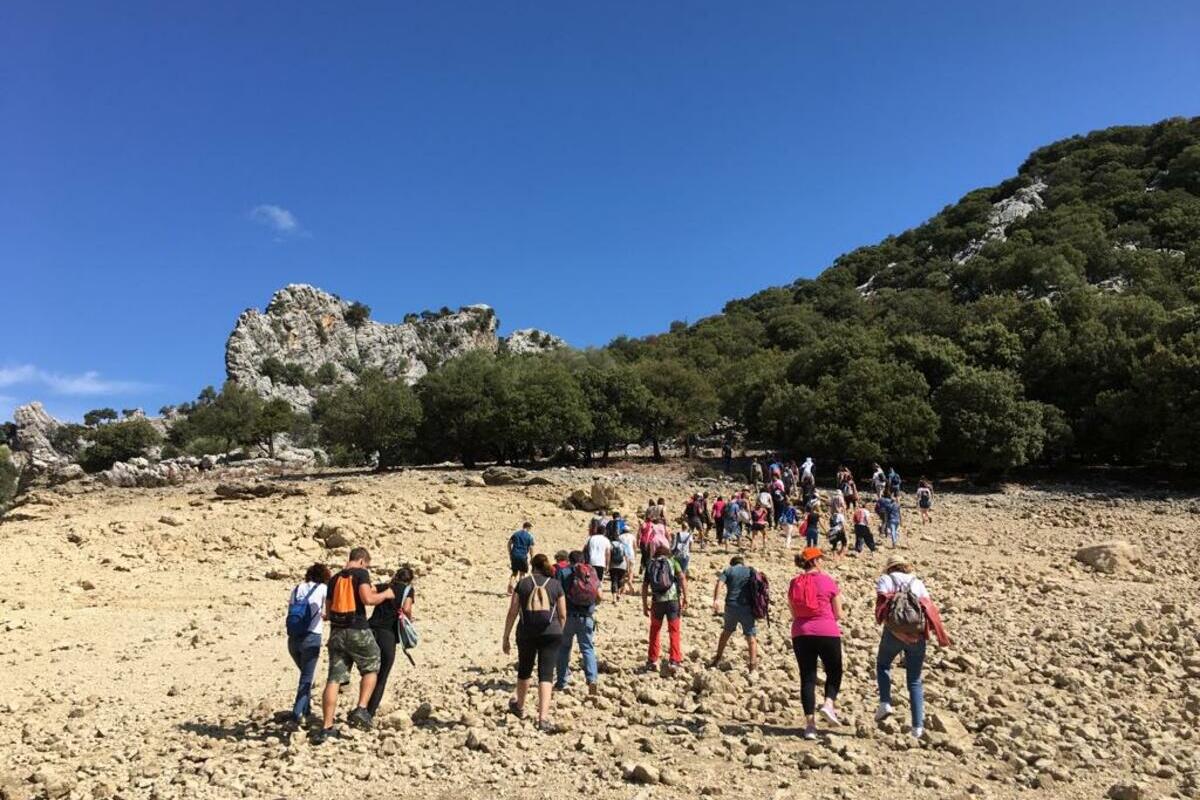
(811, 553)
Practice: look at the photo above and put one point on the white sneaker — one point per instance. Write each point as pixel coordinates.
(830, 714)
(917, 733)
(810, 733)
(883, 712)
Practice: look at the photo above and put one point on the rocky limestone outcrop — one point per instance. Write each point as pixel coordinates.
(307, 331)
(34, 437)
(1023, 202)
(532, 340)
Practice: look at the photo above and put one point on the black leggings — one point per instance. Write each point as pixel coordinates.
(387, 657)
(829, 650)
(543, 649)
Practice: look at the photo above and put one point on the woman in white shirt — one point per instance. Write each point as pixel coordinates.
(306, 614)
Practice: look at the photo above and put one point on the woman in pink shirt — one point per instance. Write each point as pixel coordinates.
(816, 608)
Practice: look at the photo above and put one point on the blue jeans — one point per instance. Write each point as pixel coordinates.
(893, 532)
(305, 652)
(914, 660)
(583, 629)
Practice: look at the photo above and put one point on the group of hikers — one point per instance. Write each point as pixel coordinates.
(552, 603)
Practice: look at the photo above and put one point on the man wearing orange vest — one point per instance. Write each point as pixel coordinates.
(350, 641)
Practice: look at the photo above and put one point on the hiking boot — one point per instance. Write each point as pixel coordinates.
(360, 718)
(883, 712)
(322, 735)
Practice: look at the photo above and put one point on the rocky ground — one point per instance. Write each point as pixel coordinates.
(142, 645)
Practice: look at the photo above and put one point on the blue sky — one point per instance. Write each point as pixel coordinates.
(591, 169)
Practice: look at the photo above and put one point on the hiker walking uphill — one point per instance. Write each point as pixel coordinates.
(907, 613)
(598, 551)
(738, 611)
(816, 636)
(581, 585)
(350, 641)
(539, 603)
(306, 611)
(664, 598)
(386, 622)
(925, 499)
(520, 546)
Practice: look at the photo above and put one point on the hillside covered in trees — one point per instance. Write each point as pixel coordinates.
(1050, 318)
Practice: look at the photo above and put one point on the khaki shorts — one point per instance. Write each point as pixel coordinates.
(351, 647)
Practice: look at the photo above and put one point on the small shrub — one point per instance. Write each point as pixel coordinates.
(8, 477)
(357, 314)
(118, 441)
(326, 374)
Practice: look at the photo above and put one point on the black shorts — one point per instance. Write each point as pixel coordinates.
(599, 573)
(518, 564)
(695, 524)
(617, 575)
(542, 649)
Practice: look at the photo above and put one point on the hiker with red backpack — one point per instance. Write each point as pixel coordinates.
(816, 606)
(350, 641)
(581, 584)
(738, 611)
(664, 598)
(540, 604)
(906, 611)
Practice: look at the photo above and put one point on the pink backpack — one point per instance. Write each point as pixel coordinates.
(802, 596)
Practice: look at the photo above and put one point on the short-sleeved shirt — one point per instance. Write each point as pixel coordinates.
(524, 589)
(522, 543)
(682, 548)
(814, 521)
(860, 518)
(735, 578)
(629, 543)
(357, 619)
(896, 581)
(598, 546)
(314, 595)
(823, 622)
(789, 515)
(564, 576)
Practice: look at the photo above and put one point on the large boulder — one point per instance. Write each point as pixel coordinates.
(504, 476)
(605, 495)
(532, 340)
(34, 436)
(1109, 557)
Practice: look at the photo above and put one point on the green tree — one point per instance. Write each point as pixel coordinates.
(682, 402)
(272, 418)
(459, 408)
(357, 314)
(375, 416)
(8, 477)
(617, 402)
(540, 407)
(118, 441)
(99, 415)
(986, 421)
(230, 418)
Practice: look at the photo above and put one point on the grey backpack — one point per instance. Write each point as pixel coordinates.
(904, 612)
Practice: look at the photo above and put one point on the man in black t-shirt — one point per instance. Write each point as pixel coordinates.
(350, 641)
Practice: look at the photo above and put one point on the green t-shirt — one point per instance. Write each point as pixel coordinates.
(671, 595)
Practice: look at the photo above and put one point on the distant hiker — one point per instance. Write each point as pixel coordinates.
(598, 550)
(862, 530)
(385, 626)
(694, 513)
(888, 508)
(681, 548)
(837, 502)
(816, 607)
(812, 525)
(737, 611)
(622, 577)
(561, 560)
(615, 526)
(350, 641)
(907, 613)
(788, 520)
(925, 499)
(732, 521)
(758, 525)
(305, 618)
(520, 546)
(727, 456)
(878, 480)
(756, 472)
(581, 586)
(540, 604)
(664, 597)
(893, 482)
(718, 518)
(850, 491)
(658, 513)
(705, 521)
(837, 533)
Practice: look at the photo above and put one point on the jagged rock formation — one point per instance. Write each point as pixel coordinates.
(35, 430)
(1023, 202)
(305, 340)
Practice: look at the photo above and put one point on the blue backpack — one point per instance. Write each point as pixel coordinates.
(300, 613)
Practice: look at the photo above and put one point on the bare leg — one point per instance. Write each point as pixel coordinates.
(522, 690)
(752, 644)
(329, 704)
(724, 640)
(545, 691)
(366, 688)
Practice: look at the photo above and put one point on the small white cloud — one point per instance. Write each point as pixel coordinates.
(278, 219)
(88, 383)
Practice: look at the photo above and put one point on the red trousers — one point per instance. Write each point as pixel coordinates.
(673, 628)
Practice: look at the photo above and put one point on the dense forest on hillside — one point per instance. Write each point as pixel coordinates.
(1050, 318)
